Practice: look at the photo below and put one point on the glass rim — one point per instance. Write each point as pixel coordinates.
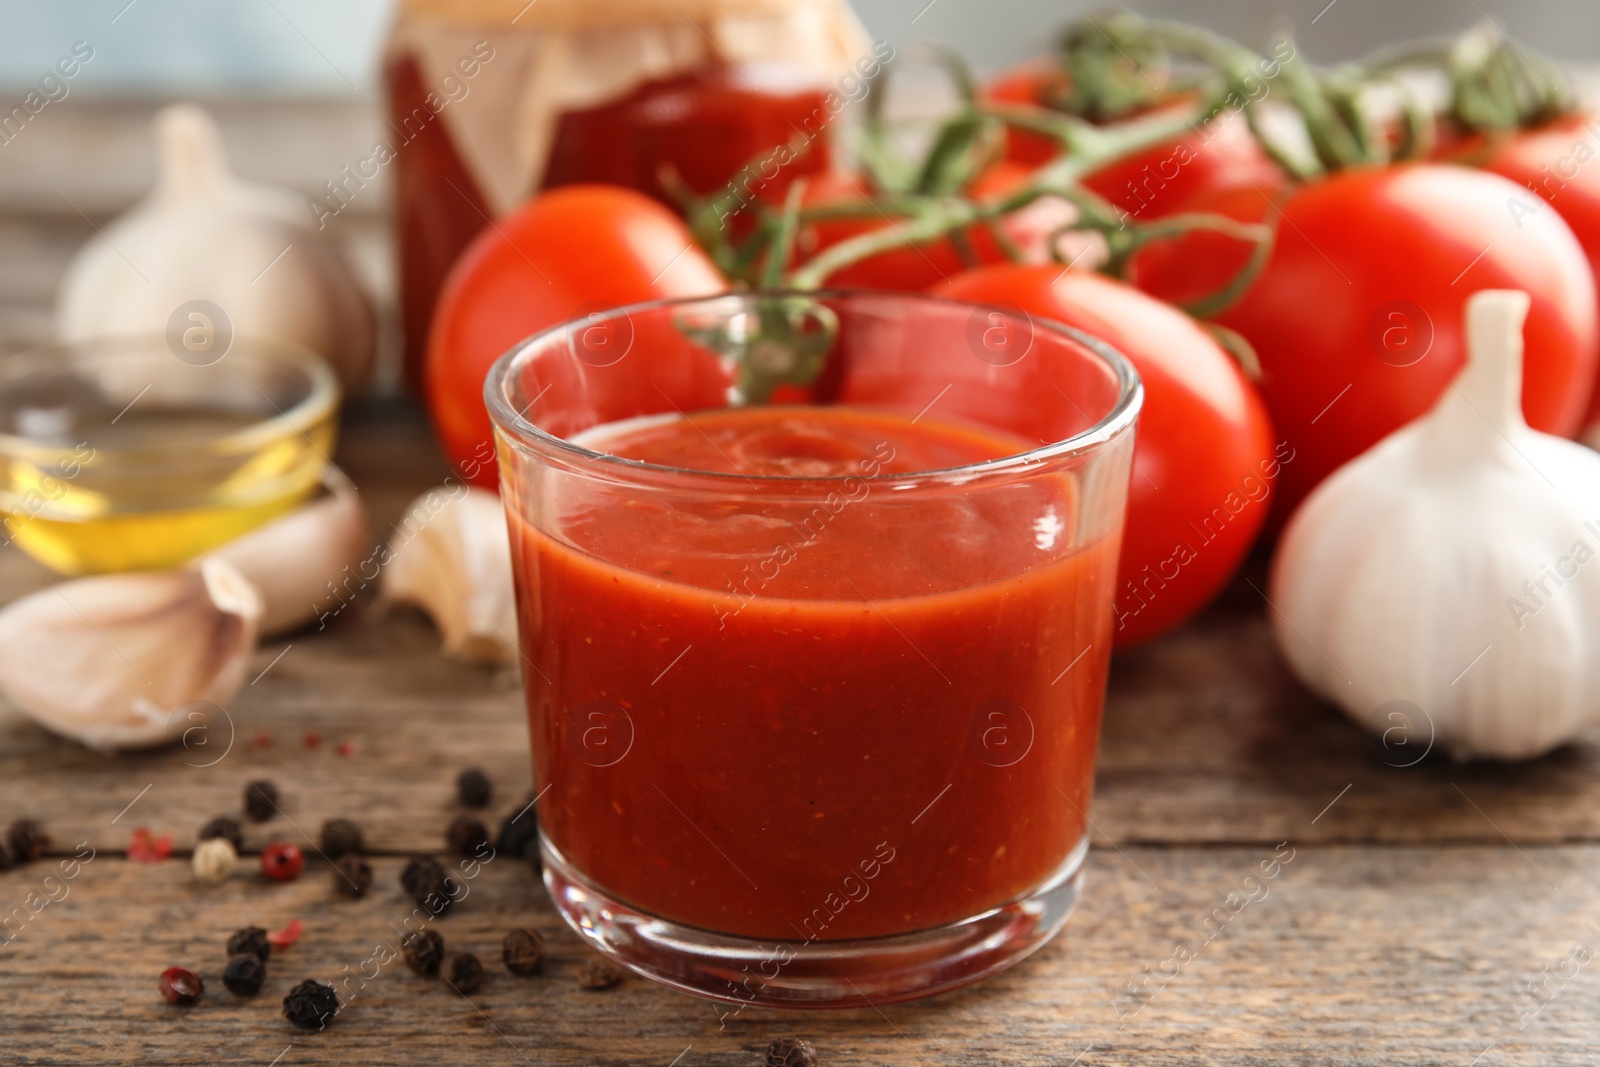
(322, 392)
(515, 426)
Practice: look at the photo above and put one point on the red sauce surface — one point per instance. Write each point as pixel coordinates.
(705, 127)
(811, 721)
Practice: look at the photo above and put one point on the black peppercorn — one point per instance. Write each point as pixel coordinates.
(423, 952)
(519, 835)
(427, 884)
(466, 835)
(227, 828)
(352, 875)
(522, 952)
(466, 973)
(340, 836)
(261, 800)
(244, 974)
(311, 1004)
(473, 788)
(253, 940)
(27, 841)
(598, 974)
(791, 1052)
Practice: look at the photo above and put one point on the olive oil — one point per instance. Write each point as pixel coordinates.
(94, 489)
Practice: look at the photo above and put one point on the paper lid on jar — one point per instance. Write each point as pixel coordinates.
(532, 60)
(577, 14)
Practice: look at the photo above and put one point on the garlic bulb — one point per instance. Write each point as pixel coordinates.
(107, 661)
(452, 556)
(1452, 566)
(204, 235)
(292, 561)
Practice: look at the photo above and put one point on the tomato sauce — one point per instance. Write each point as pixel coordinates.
(861, 714)
(438, 210)
(703, 128)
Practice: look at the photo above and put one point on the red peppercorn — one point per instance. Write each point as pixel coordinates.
(147, 848)
(282, 939)
(180, 985)
(281, 861)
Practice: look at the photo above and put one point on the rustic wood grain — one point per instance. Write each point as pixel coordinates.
(1208, 739)
(1353, 956)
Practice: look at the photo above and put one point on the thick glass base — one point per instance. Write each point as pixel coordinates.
(814, 974)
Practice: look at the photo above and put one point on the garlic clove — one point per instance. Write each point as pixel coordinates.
(202, 234)
(293, 560)
(451, 555)
(1442, 588)
(107, 661)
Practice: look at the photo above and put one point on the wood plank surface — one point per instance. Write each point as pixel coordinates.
(1355, 956)
(1421, 901)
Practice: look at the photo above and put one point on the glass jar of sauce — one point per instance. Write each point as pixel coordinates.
(491, 101)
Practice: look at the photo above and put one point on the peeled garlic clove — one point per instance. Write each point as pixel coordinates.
(293, 561)
(1442, 587)
(452, 557)
(107, 661)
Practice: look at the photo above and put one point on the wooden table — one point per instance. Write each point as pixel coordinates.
(1418, 905)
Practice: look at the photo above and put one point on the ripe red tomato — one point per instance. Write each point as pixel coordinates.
(565, 253)
(1556, 162)
(1163, 180)
(1204, 459)
(1031, 84)
(1357, 315)
(1219, 167)
(1219, 156)
(1202, 262)
(913, 269)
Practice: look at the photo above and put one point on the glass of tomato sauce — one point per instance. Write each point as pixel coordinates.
(815, 597)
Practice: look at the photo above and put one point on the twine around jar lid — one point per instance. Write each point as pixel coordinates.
(586, 14)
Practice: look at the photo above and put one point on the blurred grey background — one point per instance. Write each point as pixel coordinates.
(317, 47)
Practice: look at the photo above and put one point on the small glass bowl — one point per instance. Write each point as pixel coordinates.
(116, 454)
(869, 645)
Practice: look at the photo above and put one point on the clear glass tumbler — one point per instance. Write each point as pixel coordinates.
(815, 602)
